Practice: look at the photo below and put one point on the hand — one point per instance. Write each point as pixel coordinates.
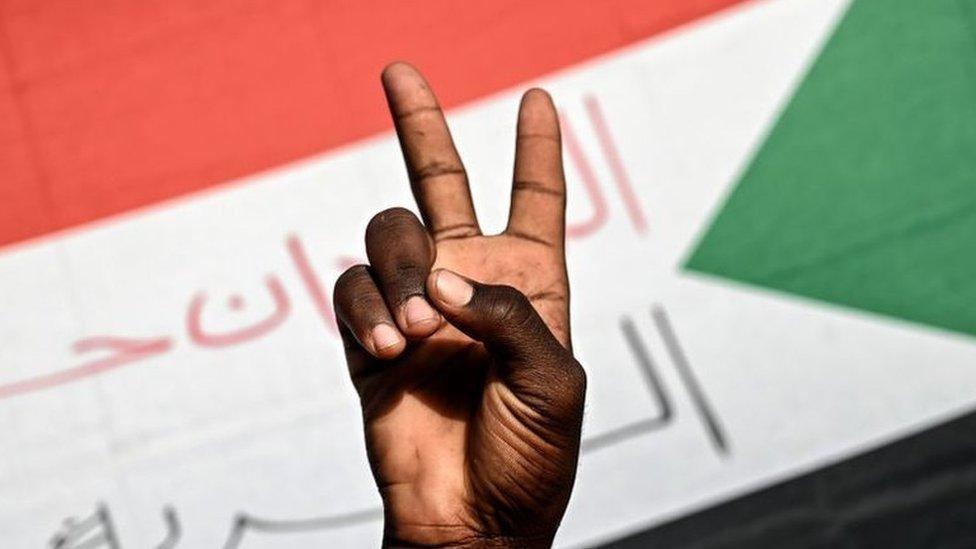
(458, 343)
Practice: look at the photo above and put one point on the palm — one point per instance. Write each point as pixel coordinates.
(421, 430)
(455, 444)
(534, 268)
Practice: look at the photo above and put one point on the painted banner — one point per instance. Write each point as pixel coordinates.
(770, 232)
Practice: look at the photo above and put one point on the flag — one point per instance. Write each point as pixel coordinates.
(768, 243)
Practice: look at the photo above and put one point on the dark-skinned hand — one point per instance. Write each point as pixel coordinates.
(458, 343)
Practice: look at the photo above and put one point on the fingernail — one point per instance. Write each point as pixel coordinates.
(418, 312)
(384, 337)
(452, 289)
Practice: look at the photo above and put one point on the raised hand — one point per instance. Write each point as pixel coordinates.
(459, 343)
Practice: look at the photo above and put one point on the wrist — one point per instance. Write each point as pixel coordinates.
(459, 537)
(473, 543)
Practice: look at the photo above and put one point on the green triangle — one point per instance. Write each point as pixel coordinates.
(864, 193)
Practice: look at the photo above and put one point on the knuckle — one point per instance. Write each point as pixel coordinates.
(513, 296)
(437, 168)
(391, 220)
(567, 391)
(506, 304)
(576, 378)
(361, 302)
(355, 294)
(558, 392)
(408, 279)
(409, 273)
(348, 280)
(394, 238)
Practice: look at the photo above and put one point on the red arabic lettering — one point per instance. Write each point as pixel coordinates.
(205, 339)
(319, 298)
(126, 351)
(620, 176)
(590, 183)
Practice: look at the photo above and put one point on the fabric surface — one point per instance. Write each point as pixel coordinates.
(864, 194)
(916, 492)
(110, 106)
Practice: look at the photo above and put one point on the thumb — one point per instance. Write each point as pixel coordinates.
(501, 317)
(529, 357)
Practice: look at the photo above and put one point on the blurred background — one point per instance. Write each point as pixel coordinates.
(782, 193)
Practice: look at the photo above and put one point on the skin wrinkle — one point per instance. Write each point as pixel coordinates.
(408, 279)
(427, 109)
(434, 170)
(529, 238)
(528, 185)
(547, 296)
(456, 226)
(456, 232)
(513, 422)
(544, 136)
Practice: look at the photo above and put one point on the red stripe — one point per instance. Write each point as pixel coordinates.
(108, 108)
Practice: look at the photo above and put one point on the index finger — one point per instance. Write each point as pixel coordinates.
(437, 176)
